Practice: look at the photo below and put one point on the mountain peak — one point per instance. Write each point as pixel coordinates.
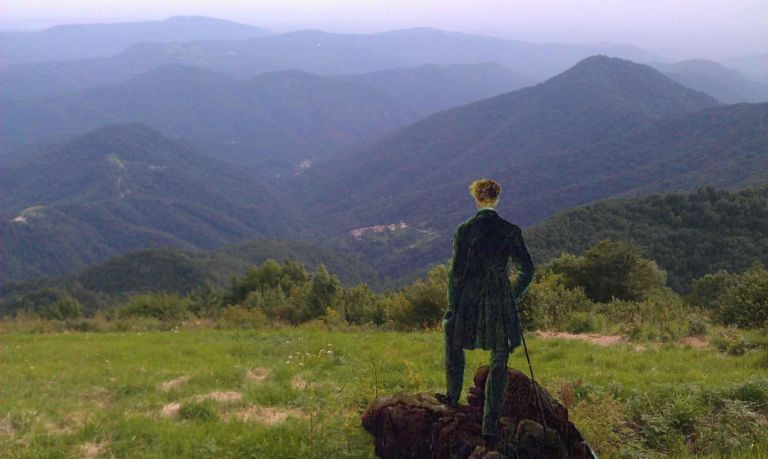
(637, 85)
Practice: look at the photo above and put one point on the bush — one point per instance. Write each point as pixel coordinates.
(162, 306)
(584, 322)
(745, 303)
(732, 427)
(422, 303)
(359, 305)
(707, 290)
(610, 270)
(548, 305)
(242, 317)
(697, 325)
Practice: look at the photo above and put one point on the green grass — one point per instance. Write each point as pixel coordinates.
(59, 392)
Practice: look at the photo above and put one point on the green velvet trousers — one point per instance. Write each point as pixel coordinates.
(495, 384)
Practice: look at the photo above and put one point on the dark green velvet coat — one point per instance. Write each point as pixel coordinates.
(482, 303)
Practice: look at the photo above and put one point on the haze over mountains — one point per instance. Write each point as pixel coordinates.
(308, 135)
(717, 80)
(317, 52)
(278, 119)
(519, 138)
(80, 41)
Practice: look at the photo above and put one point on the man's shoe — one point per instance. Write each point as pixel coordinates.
(491, 441)
(443, 398)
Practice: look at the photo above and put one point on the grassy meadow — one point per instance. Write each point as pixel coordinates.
(300, 391)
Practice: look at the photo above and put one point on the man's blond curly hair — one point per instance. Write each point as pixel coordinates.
(485, 191)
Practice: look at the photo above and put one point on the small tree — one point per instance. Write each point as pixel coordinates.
(707, 290)
(162, 306)
(424, 302)
(360, 305)
(611, 269)
(745, 304)
(321, 293)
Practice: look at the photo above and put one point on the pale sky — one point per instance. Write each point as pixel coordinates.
(704, 28)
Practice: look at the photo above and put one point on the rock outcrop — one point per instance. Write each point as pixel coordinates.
(420, 426)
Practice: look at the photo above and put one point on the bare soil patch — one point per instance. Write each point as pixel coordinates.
(91, 450)
(6, 427)
(268, 415)
(258, 374)
(693, 341)
(171, 409)
(299, 383)
(594, 338)
(174, 383)
(219, 396)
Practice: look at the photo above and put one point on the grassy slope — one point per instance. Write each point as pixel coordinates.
(61, 391)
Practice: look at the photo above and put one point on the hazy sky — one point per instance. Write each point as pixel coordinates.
(708, 28)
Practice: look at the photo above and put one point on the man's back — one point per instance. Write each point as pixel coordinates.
(481, 299)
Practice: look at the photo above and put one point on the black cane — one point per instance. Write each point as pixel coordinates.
(533, 379)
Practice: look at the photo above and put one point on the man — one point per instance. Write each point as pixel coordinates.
(482, 304)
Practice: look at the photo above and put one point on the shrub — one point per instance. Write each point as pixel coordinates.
(707, 290)
(162, 306)
(697, 325)
(548, 304)
(422, 303)
(242, 317)
(359, 305)
(603, 422)
(745, 304)
(611, 269)
(581, 322)
(731, 427)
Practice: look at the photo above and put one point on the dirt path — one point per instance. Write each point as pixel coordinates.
(594, 338)
(609, 340)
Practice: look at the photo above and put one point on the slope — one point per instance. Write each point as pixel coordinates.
(688, 234)
(281, 118)
(420, 174)
(724, 84)
(124, 188)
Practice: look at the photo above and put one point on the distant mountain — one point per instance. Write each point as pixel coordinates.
(125, 188)
(420, 174)
(688, 234)
(755, 66)
(275, 120)
(724, 84)
(80, 41)
(431, 88)
(311, 51)
(725, 147)
(172, 270)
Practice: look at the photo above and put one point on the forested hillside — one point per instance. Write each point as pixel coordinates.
(431, 88)
(420, 174)
(687, 234)
(274, 120)
(124, 188)
(167, 270)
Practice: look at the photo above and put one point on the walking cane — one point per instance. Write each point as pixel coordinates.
(590, 451)
(530, 368)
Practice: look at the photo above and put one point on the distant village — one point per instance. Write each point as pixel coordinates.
(358, 232)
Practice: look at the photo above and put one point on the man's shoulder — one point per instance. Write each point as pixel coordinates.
(508, 226)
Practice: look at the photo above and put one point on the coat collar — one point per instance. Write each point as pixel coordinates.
(486, 211)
